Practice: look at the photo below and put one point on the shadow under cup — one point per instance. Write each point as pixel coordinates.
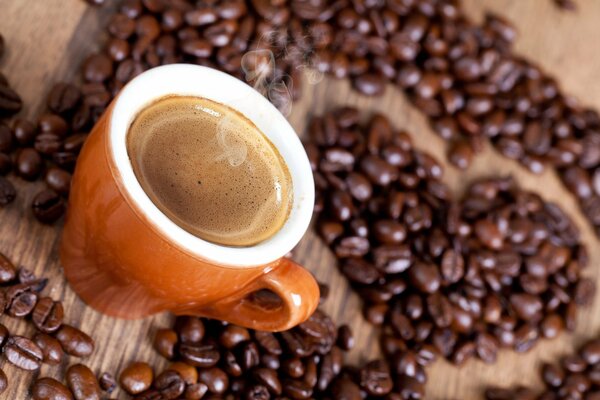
(126, 258)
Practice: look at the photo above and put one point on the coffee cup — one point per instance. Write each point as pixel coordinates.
(126, 258)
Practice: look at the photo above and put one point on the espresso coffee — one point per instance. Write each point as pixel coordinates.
(210, 170)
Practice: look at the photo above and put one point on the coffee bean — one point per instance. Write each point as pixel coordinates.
(369, 84)
(165, 341)
(10, 102)
(169, 384)
(233, 335)
(5, 164)
(375, 378)
(187, 372)
(8, 272)
(29, 164)
(23, 353)
(136, 378)
(53, 124)
(3, 378)
(47, 315)
(7, 192)
(425, 277)
(199, 355)
(24, 131)
(268, 342)
(107, 382)
(48, 206)
(51, 349)
(74, 341)
(5, 138)
(58, 180)
(215, 379)
(97, 68)
(82, 382)
(345, 338)
(47, 143)
(20, 300)
(50, 389)
(269, 379)
(190, 329)
(460, 155)
(63, 97)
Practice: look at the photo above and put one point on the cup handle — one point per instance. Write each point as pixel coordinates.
(296, 288)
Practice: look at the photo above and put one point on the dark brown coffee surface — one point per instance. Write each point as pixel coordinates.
(210, 170)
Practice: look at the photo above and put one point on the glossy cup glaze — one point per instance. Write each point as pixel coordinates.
(124, 257)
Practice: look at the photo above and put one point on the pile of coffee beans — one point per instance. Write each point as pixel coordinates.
(501, 268)
(212, 359)
(576, 377)
(21, 297)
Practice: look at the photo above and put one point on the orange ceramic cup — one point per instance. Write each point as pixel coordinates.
(125, 258)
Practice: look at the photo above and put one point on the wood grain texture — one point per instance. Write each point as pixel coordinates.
(48, 39)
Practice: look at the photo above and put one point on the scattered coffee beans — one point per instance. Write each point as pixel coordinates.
(21, 298)
(213, 359)
(576, 377)
(501, 268)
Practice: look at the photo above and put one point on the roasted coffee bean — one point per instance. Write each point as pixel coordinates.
(50, 389)
(8, 272)
(375, 378)
(5, 164)
(136, 378)
(24, 131)
(460, 155)
(48, 206)
(7, 193)
(63, 97)
(6, 138)
(51, 349)
(233, 335)
(203, 356)
(29, 164)
(345, 339)
(215, 379)
(165, 341)
(74, 341)
(97, 68)
(47, 315)
(23, 353)
(169, 384)
(59, 180)
(3, 378)
(82, 382)
(190, 329)
(268, 342)
(20, 300)
(107, 382)
(47, 143)
(268, 378)
(10, 102)
(188, 373)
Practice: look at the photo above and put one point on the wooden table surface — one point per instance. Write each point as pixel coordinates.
(48, 39)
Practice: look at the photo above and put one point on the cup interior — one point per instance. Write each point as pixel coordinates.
(193, 80)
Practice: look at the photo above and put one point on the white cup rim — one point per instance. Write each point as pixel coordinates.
(199, 81)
